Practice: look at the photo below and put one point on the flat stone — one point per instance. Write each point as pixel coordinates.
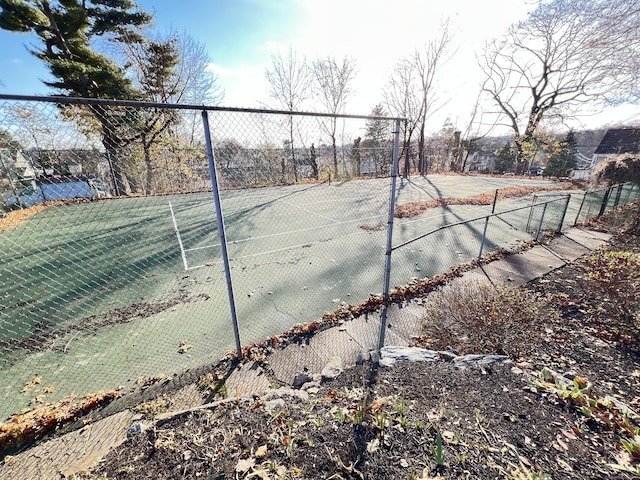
(482, 361)
(247, 380)
(336, 342)
(300, 379)
(70, 454)
(293, 359)
(285, 392)
(276, 403)
(392, 354)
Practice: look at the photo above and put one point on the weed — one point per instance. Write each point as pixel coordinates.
(632, 446)
(381, 421)
(360, 413)
(475, 317)
(342, 415)
(400, 407)
(438, 453)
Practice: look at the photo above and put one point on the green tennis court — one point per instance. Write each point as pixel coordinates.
(98, 294)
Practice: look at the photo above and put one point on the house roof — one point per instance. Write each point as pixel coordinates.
(620, 140)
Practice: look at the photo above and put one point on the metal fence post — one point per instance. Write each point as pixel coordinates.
(605, 202)
(580, 209)
(223, 240)
(392, 206)
(564, 213)
(486, 224)
(627, 192)
(618, 194)
(541, 220)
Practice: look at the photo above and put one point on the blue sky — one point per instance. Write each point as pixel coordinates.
(241, 35)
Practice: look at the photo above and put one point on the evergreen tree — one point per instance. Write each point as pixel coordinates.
(67, 30)
(563, 158)
(505, 158)
(377, 139)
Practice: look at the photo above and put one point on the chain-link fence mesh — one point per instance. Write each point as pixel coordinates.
(598, 202)
(115, 266)
(121, 278)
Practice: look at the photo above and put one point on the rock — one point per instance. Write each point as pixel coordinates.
(309, 385)
(363, 357)
(285, 392)
(482, 360)
(275, 403)
(300, 379)
(332, 369)
(452, 350)
(393, 354)
(448, 356)
(136, 428)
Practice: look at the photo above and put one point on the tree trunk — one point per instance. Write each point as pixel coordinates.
(148, 167)
(314, 161)
(293, 153)
(335, 156)
(118, 179)
(421, 160)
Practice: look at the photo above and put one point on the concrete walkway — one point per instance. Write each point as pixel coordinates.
(351, 342)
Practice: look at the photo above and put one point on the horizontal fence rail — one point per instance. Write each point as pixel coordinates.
(143, 240)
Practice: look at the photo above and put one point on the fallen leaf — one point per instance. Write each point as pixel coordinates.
(564, 465)
(569, 435)
(373, 445)
(560, 445)
(261, 451)
(525, 460)
(31, 385)
(245, 464)
(378, 403)
(448, 436)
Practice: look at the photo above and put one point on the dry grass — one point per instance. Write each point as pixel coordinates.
(16, 217)
(477, 317)
(413, 209)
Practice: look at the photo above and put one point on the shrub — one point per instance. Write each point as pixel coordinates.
(479, 318)
(613, 291)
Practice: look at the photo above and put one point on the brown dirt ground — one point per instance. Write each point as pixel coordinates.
(431, 420)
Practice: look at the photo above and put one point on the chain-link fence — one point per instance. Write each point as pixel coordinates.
(600, 201)
(137, 262)
(142, 240)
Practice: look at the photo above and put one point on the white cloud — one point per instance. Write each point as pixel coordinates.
(219, 70)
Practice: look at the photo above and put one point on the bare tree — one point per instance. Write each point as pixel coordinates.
(289, 83)
(566, 53)
(332, 84)
(168, 69)
(427, 63)
(471, 137)
(402, 97)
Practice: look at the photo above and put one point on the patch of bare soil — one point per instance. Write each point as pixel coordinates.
(568, 412)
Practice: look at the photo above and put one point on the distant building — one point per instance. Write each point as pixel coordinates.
(617, 141)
